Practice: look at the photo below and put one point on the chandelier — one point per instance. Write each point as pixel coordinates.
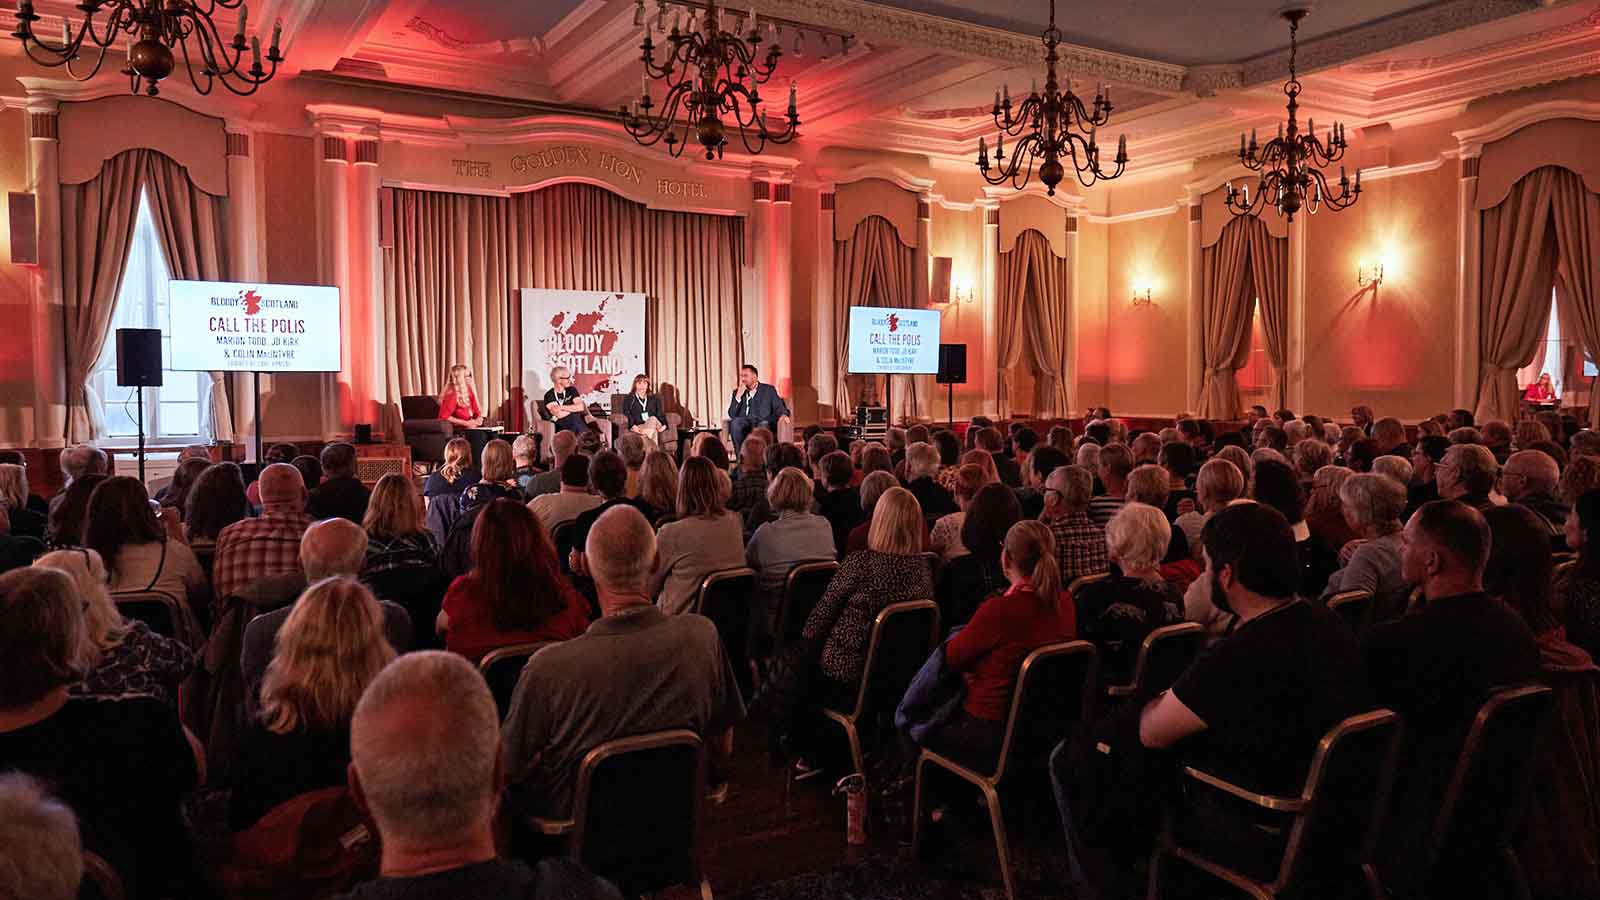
(713, 83)
(1052, 126)
(1290, 164)
(151, 31)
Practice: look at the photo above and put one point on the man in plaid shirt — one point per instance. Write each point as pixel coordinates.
(749, 497)
(268, 544)
(1080, 544)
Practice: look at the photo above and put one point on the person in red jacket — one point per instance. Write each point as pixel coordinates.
(459, 404)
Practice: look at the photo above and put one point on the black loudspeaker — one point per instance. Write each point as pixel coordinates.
(363, 434)
(139, 357)
(952, 364)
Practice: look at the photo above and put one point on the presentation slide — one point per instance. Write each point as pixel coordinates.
(893, 341)
(219, 326)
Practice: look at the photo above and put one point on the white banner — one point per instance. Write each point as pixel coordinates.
(893, 341)
(597, 335)
(219, 326)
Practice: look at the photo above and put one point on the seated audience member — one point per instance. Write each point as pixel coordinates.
(1361, 454)
(1396, 467)
(1529, 479)
(1241, 461)
(1361, 417)
(1459, 418)
(1466, 435)
(796, 536)
(1080, 545)
(268, 544)
(984, 462)
(329, 548)
(1325, 511)
(635, 670)
(964, 582)
(573, 499)
(749, 497)
(1219, 483)
(25, 521)
(818, 446)
(123, 767)
(990, 441)
(705, 537)
(138, 553)
(216, 501)
(562, 446)
(1552, 450)
(1372, 505)
(523, 451)
(1581, 476)
(631, 448)
(1578, 592)
(330, 648)
(424, 762)
(1150, 485)
(874, 458)
(1023, 442)
(1425, 459)
(922, 471)
(1040, 463)
(1034, 611)
(1390, 435)
(1436, 666)
(945, 539)
(498, 480)
(1586, 443)
(276, 453)
(1276, 486)
(457, 472)
(515, 593)
(658, 485)
(41, 854)
(1467, 473)
(1179, 461)
(949, 447)
(16, 552)
(1117, 612)
(78, 461)
(1146, 449)
(1254, 708)
(1116, 464)
(396, 538)
(872, 488)
(1497, 437)
(123, 657)
(1308, 458)
(1088, 457)
(175, 496)
(608, 479)
(711, 447)
(69, 511)
(1296, 431)
(310, 470)
(840, 504)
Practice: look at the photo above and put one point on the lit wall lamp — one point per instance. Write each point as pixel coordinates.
(948, 287)
(1143, 294)
(1369, 274)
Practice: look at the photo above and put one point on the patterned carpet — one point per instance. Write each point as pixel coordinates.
(967, 873)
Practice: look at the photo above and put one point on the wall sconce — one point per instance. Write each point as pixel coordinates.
(1143, 295)
(1369, 274)
(947, 288)
(961, 291)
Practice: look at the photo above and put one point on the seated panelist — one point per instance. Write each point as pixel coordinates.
(643, 409)
(459, 403)
(753, 404)
(565, 408)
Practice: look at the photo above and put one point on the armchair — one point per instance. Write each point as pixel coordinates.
(669, 438)
(425, 433)
(545, 428)
(785, 426)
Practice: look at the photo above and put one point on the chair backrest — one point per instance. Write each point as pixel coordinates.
(1564, 566)
(1354, 607)
(1054, 697)
(1489, 788)
(934, 561)
(636, 810)
(903, 634)
(100, 880)
(502, 668)
(726, 597)
(1164, 656)
(157, 609)
(1078, 583)
(1345, 795)
(802, 590)
(419, 407)
(419, 590)
(562, 536)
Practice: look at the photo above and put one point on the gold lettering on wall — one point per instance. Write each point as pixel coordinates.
(473, 168)
(550, 158)
(621, 167)
(671, 187)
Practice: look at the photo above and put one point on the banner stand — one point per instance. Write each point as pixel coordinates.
(255, 378)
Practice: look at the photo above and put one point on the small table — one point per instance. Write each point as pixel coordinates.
(686, 439)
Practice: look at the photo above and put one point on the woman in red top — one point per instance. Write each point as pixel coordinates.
(459, 404)
(989, 651)
(1541, 391)
(515, 593)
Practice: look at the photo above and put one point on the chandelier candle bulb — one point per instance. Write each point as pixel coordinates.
(277, 33)
(255, 53)
(794, 93)
(1122, 147)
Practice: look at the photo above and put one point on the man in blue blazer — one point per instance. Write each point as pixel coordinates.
(753, 404)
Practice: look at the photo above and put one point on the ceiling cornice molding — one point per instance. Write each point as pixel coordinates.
(175, 91)
(1072, 203)
(832, 177)
(1471, 140)
(1153, 213)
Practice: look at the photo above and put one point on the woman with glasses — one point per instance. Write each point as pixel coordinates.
(563, 405)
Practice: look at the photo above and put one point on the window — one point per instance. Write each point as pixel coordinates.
(174, 409)
(1255, 379)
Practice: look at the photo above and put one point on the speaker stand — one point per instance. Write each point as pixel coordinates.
(950, 403)
(256, 378)
(139, 390)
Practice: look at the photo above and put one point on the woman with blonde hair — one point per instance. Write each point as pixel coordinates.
(14, 496)
(458, 405)
(330, 648)
(396, 535)
(984, 460)
(124, 657)
(1117, 612)
(1372, 505)
(945, 539)
(796, 536)
(658, 485)
(457, 472)
(706, 537)
(498, 480)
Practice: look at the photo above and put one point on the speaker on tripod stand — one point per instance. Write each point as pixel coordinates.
(139, 366)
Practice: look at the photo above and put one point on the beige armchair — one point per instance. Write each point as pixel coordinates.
(785, 427)
(669, 438)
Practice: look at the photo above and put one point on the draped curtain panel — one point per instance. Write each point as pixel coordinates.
(1576, 214)
(1269, 276)
(1035, 285)
(1228, 295)
(870, 268)
(458, 261)
(1518, 270)
(192, 226)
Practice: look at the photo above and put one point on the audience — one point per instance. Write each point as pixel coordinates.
(424, 763)
(1179, 460)
(268, 544)
(749, 484)
(498, 480)
(1578, 593)
(78, 461)
(1080, 545)
(139, 555)
(658, 485)
(310, 470)
(69, 511)
(1117, 612)
(556, 509)
(1529, 479)
(217, 500)
(706, 537)
(523, 450)
(175, 496)
(1276, 486)
(1372, 505)
(331, 646)
(1006, 468)
(16, 552)
(25, 521)
(1425, 459)
(1467, 473)
(922, 471)
(515, 592)
(949, 447)
(840, 503)
(41, 855)
(796, 536)
(276, 453)
(396, 537)
(635, 670)
(1150, 484)
(608, 478)
(872, 488)
(1325, 510)
(964, 582)
(450, 479)
(1116, 463)
(562, 446)
(1220, 483)
(945, 538)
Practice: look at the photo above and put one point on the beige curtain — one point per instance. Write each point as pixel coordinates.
(1031, 270)
(1269, 276)
(696, 310)
(870, 268)
(96, 230)
(1576, 214)
(1227, 304)
(1518, 269)
(191, 224)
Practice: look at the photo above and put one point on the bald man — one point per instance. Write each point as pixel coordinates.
(1530, 478)
(268, 544)
(328, 548)
(635, 670)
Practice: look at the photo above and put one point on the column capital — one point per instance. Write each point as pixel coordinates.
(43, 125)
(1469, 166)
(335, 149)
(366, 153)
(238, 144)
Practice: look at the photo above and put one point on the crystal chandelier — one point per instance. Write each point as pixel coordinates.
(151, 30)
(710, 74)
(1051, 126)
(1290, 164)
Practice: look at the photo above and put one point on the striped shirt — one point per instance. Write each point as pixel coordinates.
(1102, 508)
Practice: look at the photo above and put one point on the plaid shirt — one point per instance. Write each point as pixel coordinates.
(255, 548)
(1080, 546)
